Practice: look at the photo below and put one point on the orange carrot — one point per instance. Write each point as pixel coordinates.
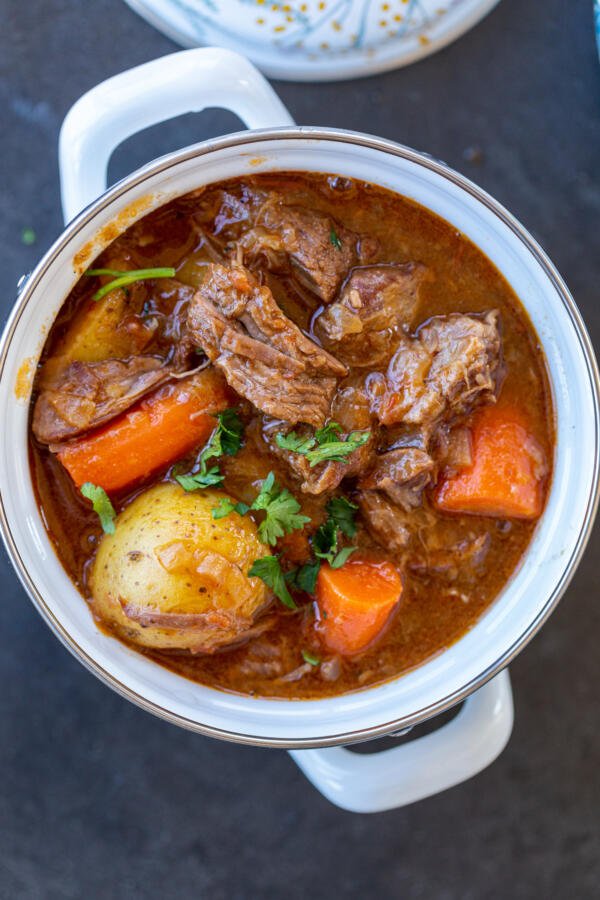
(149, 436)
(507, 472)
(356, 602)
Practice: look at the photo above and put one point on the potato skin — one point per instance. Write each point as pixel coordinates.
(172, 577)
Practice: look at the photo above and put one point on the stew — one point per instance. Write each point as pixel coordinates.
(291, 435)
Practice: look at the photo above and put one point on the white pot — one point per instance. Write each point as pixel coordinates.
(192, 80)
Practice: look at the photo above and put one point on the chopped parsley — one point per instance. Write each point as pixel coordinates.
(225, 440)
(325, 544)
(342, 511)
(102, 505)
(227, 506)
(304, 577)
(268, 569)
(310, 659)
(325, 445)
(207, 478)
(282, 511)
(121, 279)
(334, 239)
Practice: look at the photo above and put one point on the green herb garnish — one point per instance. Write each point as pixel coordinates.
(325, 544)
(225, 440)
(102, 505)
(325, 445)
(208, 478)
(280, 507)
(28, 237)
(227, 506)
(342, 511)
(334, 239)
(310, 659)
(282, 511)
(121, 279)
(229, 433)
(268, 569)
(304, 577)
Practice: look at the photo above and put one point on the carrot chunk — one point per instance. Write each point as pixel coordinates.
(153, 433)
(355, 602)
(507, 473)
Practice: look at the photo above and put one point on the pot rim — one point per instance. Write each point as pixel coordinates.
(239, 139)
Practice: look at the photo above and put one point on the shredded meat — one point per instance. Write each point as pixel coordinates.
(453, 364)
(387, 523)
(402, 474)
(350, 409)
(376, 302)
(450, 561)
(84, 395)
(263, 355)
(317, 250)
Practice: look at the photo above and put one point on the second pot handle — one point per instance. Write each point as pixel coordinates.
(374, 782)
(188, 81)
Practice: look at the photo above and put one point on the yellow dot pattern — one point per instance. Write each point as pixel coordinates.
(290, 15)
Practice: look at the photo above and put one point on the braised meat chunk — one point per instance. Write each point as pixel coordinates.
(453, 364)
(318, 250)
(85, 395)
(350, 409)
(402, 474)
(387, 523)
(376, 302)
(263, 355)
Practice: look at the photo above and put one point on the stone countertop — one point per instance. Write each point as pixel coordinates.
(101, 799)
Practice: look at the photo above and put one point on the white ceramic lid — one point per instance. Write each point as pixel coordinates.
(317, 40)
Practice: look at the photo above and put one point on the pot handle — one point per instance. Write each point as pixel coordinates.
(375, 782)
(188, 81)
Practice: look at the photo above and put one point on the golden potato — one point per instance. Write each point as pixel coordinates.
(172, 577)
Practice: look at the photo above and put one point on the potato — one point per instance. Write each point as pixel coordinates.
(172, 577)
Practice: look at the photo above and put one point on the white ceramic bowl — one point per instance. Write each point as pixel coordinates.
(99, 121)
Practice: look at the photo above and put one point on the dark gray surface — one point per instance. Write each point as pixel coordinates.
(101, 800)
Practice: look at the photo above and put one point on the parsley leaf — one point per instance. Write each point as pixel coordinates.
(334, 239)
(304, 577)
(338, 450)
(326, 444)
(342, 556)
(202, 480)
(281, 511)
(102, 505)
(268, 569)
(328, 433)
(325, 540)
(310, 659)
(295, 442)
(226, 440)
(227, 506)
(325, 544)
(342, 512)
(231, 431)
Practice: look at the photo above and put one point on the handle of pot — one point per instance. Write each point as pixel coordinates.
(428, 765)
(188, 81)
